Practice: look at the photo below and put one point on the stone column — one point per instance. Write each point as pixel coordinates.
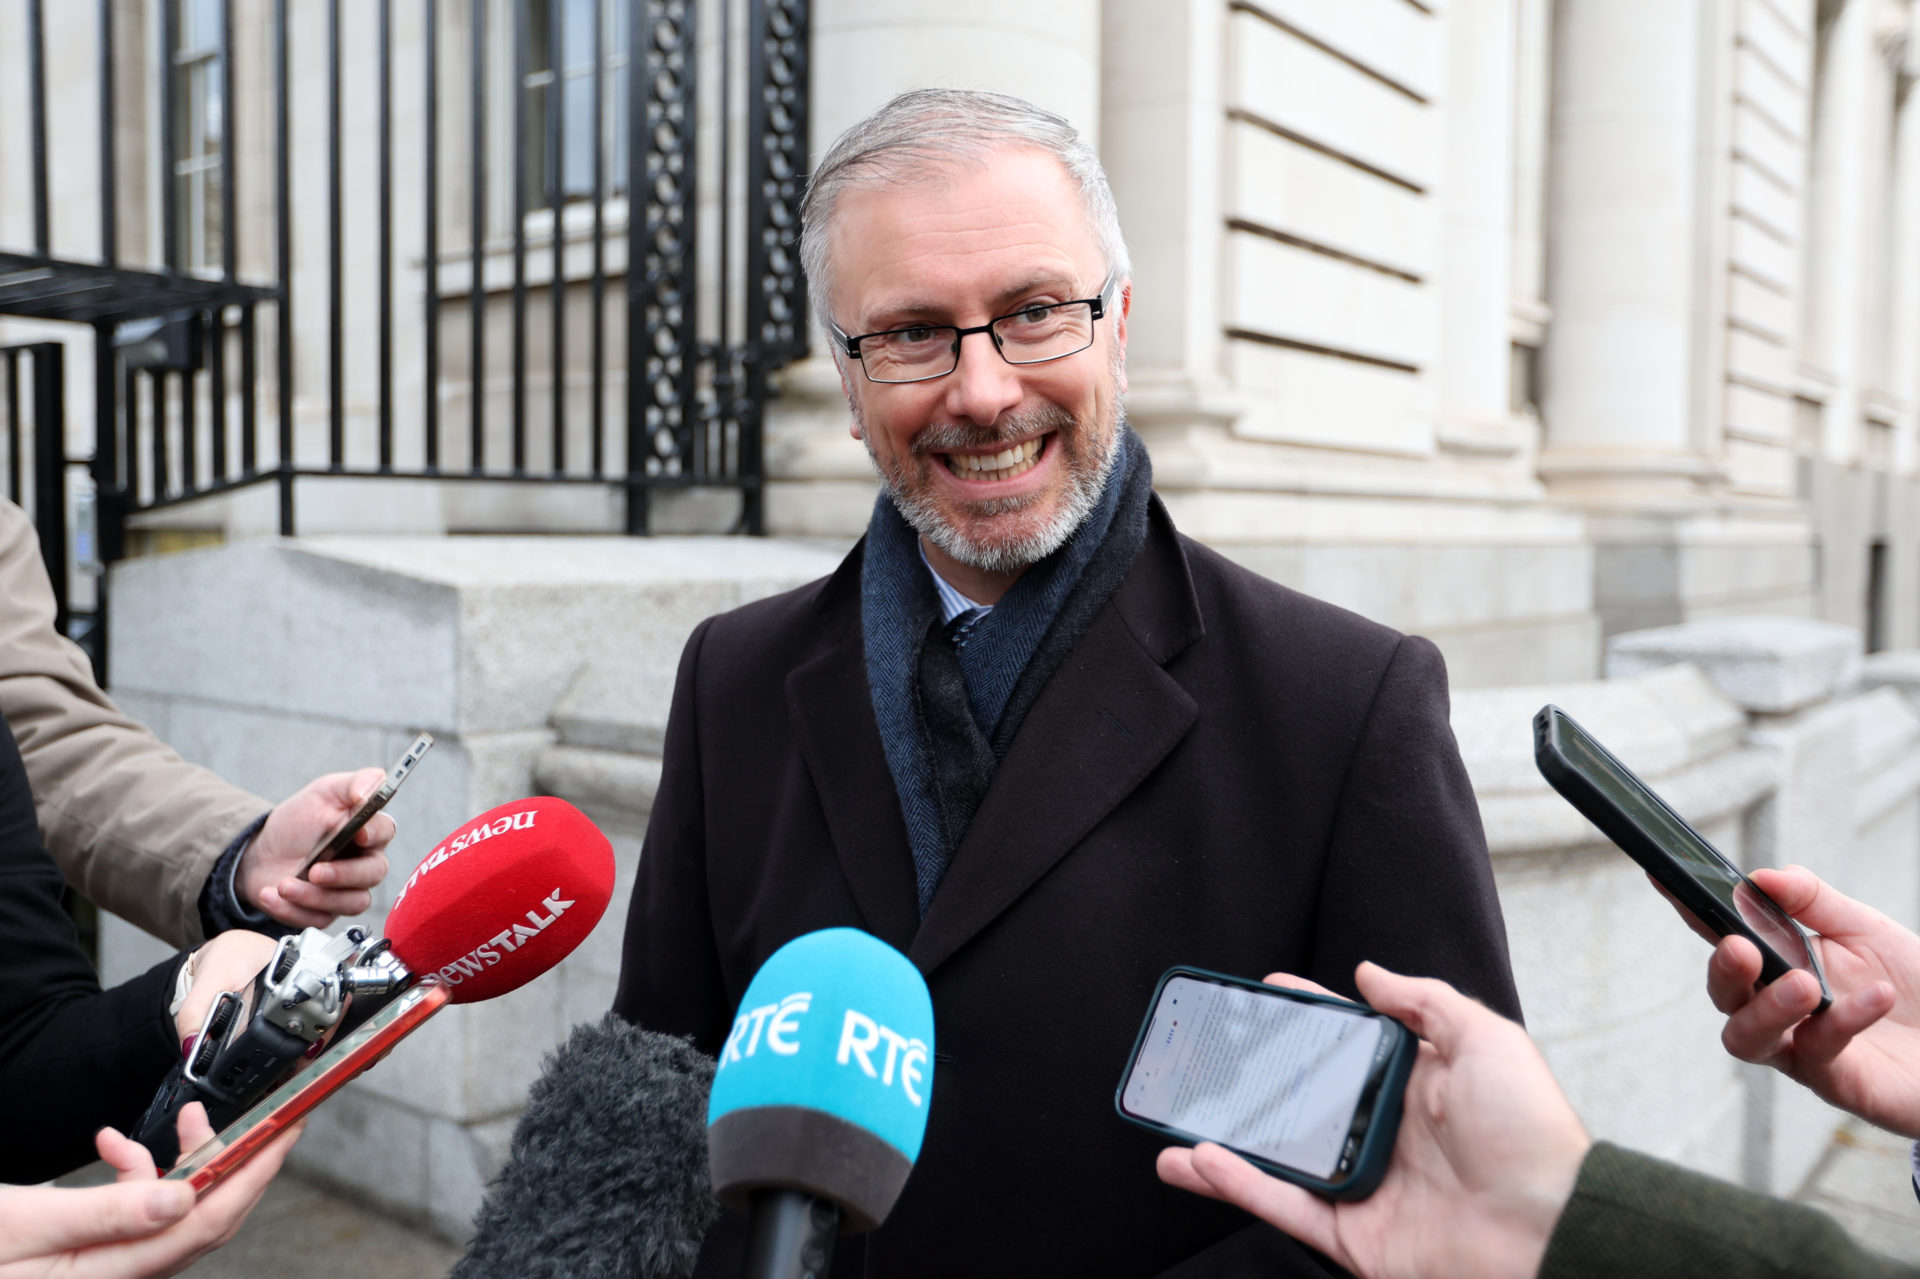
(864, 52)
(1639, 268)
(1163, 120)
(1628, 182)
(1904, 330)
(1903, 362)
(1477, 267)
(1839, 177)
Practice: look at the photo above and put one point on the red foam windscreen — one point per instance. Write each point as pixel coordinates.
(504, 898)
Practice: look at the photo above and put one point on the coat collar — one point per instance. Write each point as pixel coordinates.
(1099, 728)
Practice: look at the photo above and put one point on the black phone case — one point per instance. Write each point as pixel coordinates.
(1635, 842)
(1376, 1147)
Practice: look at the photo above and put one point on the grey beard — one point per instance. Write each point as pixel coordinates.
(1084, 488)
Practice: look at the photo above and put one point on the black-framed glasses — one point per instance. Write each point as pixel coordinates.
(1034, 334)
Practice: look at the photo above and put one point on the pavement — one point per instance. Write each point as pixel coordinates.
(1865, 1182)
(300, 1231)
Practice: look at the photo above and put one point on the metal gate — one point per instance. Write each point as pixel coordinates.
(201, 349)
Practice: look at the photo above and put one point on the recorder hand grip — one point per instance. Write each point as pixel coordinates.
(225, 1074)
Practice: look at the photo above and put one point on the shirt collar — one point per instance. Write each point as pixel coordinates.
(952, 602)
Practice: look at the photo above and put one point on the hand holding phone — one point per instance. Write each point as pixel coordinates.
(1863, 1053)
(1487, 1155)
(124, 1227)
(1693, 873)
(1303, 1084)
(340, 839)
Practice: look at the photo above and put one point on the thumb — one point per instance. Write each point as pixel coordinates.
(348, 789)
(1430, 1008)
(1818, 905)
(39, 1221)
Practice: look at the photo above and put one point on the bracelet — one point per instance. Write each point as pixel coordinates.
(183, 982)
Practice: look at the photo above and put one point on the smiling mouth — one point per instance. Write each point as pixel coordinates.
(1009, 463)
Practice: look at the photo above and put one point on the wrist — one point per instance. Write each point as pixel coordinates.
(1531, 1205)
(239, 897)
(223, 904)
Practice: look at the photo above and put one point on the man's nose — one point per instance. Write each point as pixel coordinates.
(983, 386)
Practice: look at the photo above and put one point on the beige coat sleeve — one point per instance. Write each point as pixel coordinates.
(135, 827)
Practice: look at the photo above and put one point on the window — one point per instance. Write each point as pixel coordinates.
(199, 131)
(566, 83)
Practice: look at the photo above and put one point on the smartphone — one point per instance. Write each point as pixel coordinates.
(209, 1164)
(341, 839)
(1679, 858)
(1308, 1087)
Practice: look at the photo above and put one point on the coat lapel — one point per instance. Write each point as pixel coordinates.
(833, 721)
(1099, 728)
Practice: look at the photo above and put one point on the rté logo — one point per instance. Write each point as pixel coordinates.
(778, 1027)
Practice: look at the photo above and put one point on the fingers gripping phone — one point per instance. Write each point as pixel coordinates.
(1677, 856)
(341, 839)
(1306, 1086)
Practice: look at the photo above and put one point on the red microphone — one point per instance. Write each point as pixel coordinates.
(503, 898)
(499, 902)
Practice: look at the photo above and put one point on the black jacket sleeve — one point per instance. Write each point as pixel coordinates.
(73, 1058)
(1408, 882)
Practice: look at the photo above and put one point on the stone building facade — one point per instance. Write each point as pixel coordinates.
(1523, 324)
(1513, 322)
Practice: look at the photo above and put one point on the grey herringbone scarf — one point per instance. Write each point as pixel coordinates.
(947, 716)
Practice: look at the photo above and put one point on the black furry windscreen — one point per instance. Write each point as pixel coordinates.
(607, 1174)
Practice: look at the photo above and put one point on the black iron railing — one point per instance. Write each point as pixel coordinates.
(198, 358)
(32, 408)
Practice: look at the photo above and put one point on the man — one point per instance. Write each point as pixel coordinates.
(1493, 1175)
(160, 842)
(1031, 736)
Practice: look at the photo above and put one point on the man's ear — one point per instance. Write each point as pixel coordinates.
(846, 390)
(853, 406)
(1120, 330)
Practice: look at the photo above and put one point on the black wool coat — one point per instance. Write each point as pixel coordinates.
(73, 1058)
(1223, 773)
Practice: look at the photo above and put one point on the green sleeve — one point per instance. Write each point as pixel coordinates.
(1634, 1215)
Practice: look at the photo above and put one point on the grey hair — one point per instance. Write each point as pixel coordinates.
(925, 128)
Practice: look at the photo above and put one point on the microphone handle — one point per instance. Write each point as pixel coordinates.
(791, 1234)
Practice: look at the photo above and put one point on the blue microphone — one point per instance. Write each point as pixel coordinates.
(820, 1096)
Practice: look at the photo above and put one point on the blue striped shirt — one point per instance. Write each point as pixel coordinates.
(952, 602)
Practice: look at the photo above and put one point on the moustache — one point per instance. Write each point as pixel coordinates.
(949, 437)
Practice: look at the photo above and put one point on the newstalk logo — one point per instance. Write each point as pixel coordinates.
(462, 841)
(510, 939)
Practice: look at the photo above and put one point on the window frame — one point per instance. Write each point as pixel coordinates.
(538, 219)
(199, 80)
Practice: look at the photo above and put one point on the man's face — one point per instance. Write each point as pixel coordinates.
(975, 243)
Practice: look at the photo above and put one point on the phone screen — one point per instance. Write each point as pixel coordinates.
(1272, 1076)
(1699, 860)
